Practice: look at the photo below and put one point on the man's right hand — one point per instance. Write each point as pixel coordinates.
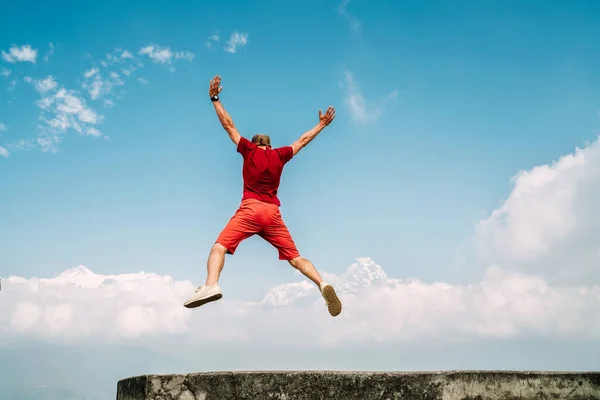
(325, 119)
(214, 88)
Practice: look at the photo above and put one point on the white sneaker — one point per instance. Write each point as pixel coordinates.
(334, 305)
(204, 294)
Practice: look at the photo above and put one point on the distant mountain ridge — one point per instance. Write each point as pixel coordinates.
(82, 277)
(362, 274)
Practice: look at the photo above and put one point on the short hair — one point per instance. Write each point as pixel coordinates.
(261, 140)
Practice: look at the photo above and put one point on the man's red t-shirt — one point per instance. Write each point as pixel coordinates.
(262, 170)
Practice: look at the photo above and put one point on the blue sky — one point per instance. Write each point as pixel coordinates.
(439, 105)
(483, 91)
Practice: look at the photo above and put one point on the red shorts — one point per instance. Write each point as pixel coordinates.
(257, 217)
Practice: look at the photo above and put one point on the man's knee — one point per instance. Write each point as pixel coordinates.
(295, 261)
(218, 248)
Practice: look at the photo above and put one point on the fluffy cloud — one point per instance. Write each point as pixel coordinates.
(164, 55)
(3, 151)
(119, 66)
(236, 41)
(549, 223)
(376, 309)
(98, 85)
(132, 305)
(49, 53)
(105, 82)
(361, 110)
(214, 38)
(45, 85)
(353, 22)
(20, 54)
(61, 110)
(517, 295)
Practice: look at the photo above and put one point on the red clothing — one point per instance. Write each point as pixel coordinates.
(259, 213)
(262, 170)
(255, 217)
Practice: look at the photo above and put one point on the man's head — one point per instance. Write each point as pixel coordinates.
(261, 140)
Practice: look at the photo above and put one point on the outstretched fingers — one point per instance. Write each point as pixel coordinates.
(331, 112)
(329, 115)
(214, 87)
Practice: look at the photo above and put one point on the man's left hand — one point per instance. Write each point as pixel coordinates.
(214, 88)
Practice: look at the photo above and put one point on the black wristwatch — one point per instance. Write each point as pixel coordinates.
(214, 98)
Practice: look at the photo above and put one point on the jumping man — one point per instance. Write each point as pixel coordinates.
(259, 211)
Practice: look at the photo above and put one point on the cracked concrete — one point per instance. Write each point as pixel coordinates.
(329, 385)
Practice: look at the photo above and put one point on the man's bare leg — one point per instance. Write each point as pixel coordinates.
(215, 263)
(334, 305)
(307, 268)
(210, 291)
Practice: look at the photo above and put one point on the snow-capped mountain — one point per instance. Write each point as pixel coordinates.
(288, 293)
(79, 276)
(82, 277)
(364, 273)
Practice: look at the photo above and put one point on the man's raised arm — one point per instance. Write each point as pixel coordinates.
(214, 90)
(308, 136)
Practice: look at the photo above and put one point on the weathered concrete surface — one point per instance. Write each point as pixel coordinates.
(325, 385)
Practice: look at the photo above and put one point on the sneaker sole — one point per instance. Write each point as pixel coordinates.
(200, 302)
(334, 305)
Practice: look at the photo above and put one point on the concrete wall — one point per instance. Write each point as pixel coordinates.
(316, 385)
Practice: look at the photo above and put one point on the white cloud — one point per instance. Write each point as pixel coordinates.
(127, 71)
(62, 110)
(101, 84)
(91, 131)
(236, 41)
(133, 305)
(516, 295)
(49, 53)
(157, 54)
(143, 81)
(213, 38)
(97, 85)
(91, 72)
(3, 152)
(186, 55)
(376, 309)
(3, 127)
(105, 83)
(164, 55)
(353, 22)
(117, 57)
(361, 110)
(20, 54)
(45, 85)
(23, 144)
(549, 222)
